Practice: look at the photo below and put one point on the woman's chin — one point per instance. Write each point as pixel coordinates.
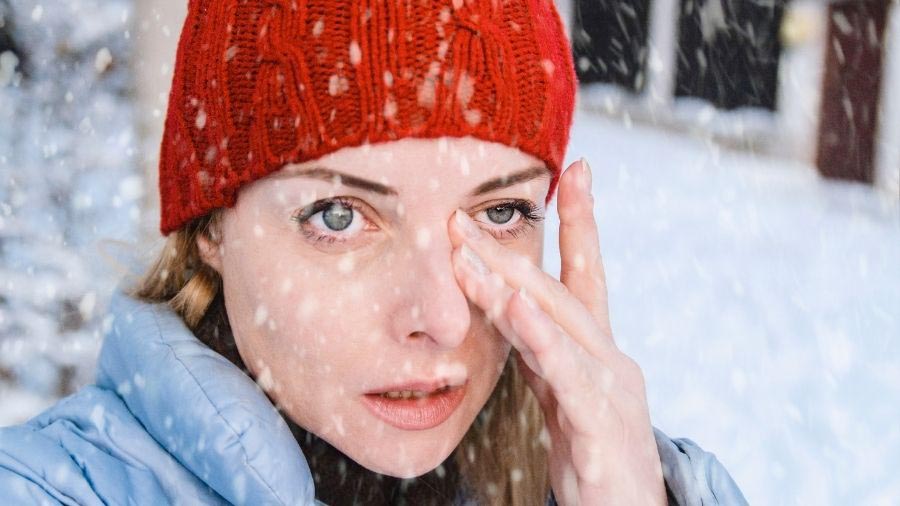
(403, 469)
(405, 461)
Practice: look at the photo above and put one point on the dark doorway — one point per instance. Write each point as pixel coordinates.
(851, 87)
(728, 52)
(609, 39)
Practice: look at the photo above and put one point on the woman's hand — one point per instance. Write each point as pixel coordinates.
(602, 447)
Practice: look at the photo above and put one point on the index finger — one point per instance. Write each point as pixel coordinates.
(518, 270)
(579, 243)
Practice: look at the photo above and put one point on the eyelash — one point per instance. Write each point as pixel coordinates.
(529, 211)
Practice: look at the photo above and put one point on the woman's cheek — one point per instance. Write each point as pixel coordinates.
(502, 355)
(321, 322)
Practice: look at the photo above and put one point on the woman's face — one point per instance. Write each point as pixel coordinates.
(332, 299)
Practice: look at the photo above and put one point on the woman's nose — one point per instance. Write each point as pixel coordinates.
(435, 306)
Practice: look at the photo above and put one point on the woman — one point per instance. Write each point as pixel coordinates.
(349, 308)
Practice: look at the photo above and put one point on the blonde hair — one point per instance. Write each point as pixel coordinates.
(502, 458)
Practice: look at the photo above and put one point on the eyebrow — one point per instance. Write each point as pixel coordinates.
(498, 183)
(510, 180)
(329, 175)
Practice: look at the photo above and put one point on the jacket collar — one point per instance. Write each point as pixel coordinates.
(203, 410)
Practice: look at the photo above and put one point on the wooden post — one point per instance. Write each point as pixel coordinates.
(851, 88)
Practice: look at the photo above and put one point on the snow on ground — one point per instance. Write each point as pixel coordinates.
(763, 305)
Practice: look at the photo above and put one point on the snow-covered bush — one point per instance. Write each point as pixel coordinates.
(69, 178)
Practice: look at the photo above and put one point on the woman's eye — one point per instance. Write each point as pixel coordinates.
(335, 220)
(501, 215)
(337, 217)
(505, 214)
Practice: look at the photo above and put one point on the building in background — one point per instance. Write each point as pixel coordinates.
(812, 80)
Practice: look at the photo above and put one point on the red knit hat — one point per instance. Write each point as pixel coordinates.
(262, 83)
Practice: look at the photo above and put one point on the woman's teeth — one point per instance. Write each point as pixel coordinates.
(406, 394)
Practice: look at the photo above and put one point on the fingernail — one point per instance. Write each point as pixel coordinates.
(586, 175)
(467, 225)
(474, 260)
(527, 298)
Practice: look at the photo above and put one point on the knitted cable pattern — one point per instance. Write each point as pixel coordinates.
(262, 83)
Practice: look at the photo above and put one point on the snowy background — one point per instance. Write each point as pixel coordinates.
(762, 301)
(69, 186)
(763, 305)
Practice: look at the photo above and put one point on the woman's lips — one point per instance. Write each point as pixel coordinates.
(416, 413)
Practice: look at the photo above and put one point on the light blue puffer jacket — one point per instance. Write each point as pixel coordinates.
(169, 421)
